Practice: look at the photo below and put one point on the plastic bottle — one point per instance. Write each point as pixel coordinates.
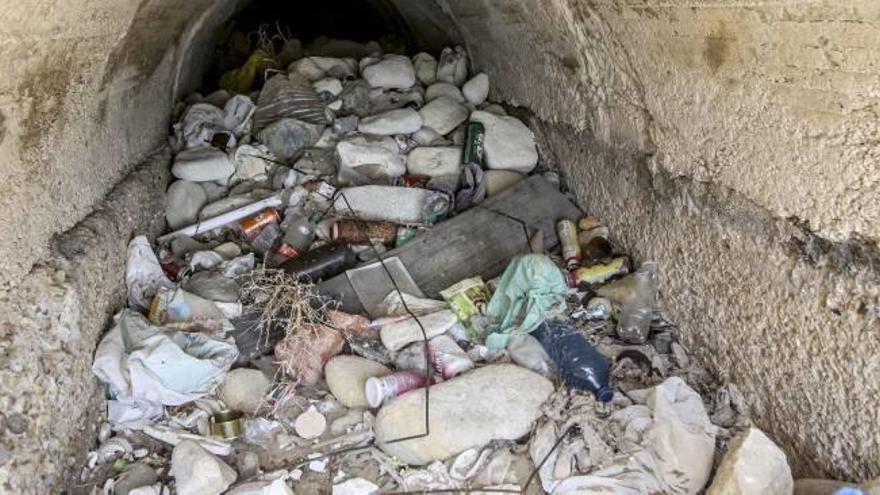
(580, 365)
(634, 324)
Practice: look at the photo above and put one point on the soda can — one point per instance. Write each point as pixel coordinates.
(252, 225)
(568, 239)
(474, 144)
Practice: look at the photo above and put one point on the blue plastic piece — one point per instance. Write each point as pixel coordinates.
(580, 365)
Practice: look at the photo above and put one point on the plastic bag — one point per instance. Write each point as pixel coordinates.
(152, 364)
(241, 80)
(294, 97)
(527, 352)
(531, 289)
(143, 274)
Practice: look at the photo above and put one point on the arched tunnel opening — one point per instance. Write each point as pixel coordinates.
(566, 247)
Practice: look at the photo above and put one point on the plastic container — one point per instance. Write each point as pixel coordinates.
(634, 323)
(447, 357)
(568, 239)
(580, 365)
(380, 389)
(527, 352)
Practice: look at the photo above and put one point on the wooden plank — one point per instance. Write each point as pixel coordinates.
(480, 241)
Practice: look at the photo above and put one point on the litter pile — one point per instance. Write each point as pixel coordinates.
(327, 315)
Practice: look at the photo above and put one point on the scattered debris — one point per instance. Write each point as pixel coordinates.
(373, 284)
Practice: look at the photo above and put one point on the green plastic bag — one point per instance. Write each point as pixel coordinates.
(531, 289)
(241, 80)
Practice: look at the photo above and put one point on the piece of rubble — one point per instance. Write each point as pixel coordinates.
(477, 89)
(346, 376)
(449, 90)
(202, 164)
(391, 72)
(183, 200)
(452, 67)
(496, 402)
(373, 158)
(399, 121)
(443, 114)
(310, 424)
(434, 161)
(198, 472)
(355, 486)
(397, 334)
(135, 476)
(243, 389)
(509, 144)
(286, 137)
(752, 464)
(498, 181)
(302, 355)
(316, 68)
(426, 68)
(328, 85)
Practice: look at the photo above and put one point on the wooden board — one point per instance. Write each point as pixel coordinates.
(479, 242)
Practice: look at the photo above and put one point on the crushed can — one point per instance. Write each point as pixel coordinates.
(252, 225)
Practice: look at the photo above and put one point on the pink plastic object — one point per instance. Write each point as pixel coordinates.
(380, 389)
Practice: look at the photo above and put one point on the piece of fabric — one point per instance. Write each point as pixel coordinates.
(531, 289)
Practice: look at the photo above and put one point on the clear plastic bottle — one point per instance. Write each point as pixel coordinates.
(634, 323)
(580, 365)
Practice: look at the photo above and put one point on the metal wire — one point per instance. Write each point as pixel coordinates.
(361, 225)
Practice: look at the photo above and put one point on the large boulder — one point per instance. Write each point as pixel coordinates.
(496, 402)
(509, 144)
(753, 464)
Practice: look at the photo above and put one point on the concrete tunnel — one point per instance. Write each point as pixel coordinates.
(734, 143)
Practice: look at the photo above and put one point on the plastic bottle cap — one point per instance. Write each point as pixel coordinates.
(373, 391)
(605, 394)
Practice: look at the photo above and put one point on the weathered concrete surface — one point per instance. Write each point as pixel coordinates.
(50, 325)
(86, 93)
(696, 130)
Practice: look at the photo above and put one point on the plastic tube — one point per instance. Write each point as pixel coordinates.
(224, 218)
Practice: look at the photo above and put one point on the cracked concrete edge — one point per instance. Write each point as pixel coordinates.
(49, 327)
(789, 317)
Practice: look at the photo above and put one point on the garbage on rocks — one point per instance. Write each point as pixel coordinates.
(313, 236)
(752, 464)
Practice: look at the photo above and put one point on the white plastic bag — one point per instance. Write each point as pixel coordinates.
(141, 362)
(143, 273)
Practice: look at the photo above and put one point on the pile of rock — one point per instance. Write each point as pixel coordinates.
(412, 398)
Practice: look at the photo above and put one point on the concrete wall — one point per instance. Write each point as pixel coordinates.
(736, 144)
(733, 142)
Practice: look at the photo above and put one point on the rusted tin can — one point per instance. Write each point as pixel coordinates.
(252, 225)
(349, 232)
(568, 240)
